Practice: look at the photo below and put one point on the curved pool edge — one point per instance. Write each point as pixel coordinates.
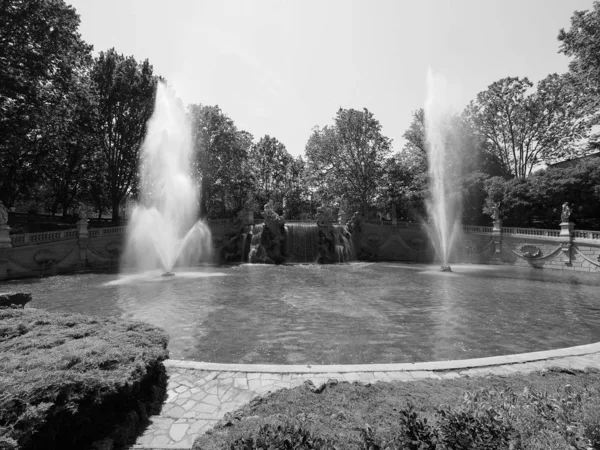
(199, 394)
(457, 364)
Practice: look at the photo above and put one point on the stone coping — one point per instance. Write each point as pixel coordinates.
(398, 367)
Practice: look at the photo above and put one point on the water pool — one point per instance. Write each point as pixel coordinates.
(354, 313)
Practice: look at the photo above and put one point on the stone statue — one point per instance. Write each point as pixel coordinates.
(324, 216)
(566, 212)
(82, 213)
(354, 224)
(496, 211)
(3, 214)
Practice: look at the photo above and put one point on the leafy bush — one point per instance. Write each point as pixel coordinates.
(286, 436)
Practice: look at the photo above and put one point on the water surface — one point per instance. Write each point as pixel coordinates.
(341, 314)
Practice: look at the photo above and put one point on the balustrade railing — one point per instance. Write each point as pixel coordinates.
(19, 240)
(530, 231)
(585, 234)
(476, 229)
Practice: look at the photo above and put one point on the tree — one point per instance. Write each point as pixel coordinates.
(126, 91)
(415, 135)
(348, 159)
(71, 147)
(272, 169)
(41, 54)
(523, 128)
(581, 43)
(221, 157)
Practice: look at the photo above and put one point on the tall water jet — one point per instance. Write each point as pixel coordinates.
(445, 205)
(164, 229)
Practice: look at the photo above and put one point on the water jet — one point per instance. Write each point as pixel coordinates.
(164, 229)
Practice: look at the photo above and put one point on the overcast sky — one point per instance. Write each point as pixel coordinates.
(281, 67)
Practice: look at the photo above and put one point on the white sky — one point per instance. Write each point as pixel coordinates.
(280, 67)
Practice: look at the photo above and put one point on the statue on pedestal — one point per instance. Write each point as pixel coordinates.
(496, 212)
(566, 213)
(82, 213)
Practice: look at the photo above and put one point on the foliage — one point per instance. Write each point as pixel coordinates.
(42, 60)
(125, 92)
(221, 161)
(522, 127)
(537, 200)
(74, 141)
(273, 171)
(581, 43)
(63, 372)
(405, 184)
(347, 159)
(286, 436)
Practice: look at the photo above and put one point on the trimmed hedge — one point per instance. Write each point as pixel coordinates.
(74, 381)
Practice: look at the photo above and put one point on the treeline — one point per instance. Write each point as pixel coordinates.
(71, 126)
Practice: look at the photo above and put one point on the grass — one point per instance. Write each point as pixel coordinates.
(549, 410)
(67, 380)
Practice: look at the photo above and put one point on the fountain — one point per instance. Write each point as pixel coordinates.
(164, 230)
(444, 206)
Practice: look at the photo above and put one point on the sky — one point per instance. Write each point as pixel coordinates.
(282, 67)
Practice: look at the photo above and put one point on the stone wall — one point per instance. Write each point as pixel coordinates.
(38, 254)
(99, 249)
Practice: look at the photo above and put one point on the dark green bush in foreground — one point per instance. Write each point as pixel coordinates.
(67, 381)
(544, 411)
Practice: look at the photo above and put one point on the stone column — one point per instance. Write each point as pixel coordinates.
(5, 248)
(497, 237)
(83, 240)
(566, 240)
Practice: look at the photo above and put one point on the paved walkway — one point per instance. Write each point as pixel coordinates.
(199, 394)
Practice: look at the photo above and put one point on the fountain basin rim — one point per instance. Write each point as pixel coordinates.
(457, 364)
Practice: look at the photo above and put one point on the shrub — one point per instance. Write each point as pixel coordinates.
(69, 380)
(282, 437)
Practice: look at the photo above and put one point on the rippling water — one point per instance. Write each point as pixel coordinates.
(341, 314)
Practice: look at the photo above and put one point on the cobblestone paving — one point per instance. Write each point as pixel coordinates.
(197, 399)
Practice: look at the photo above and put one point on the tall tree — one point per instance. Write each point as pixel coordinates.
(272, 168)
(71, 146)
(348, 159)
(523, 128)
(582, 44)
(126, 91)
(41, 53)
(221, 155)
(415, 134)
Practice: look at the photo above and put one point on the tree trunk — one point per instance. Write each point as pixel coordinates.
(115, 210)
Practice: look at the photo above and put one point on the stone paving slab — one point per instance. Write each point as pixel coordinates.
(200, 394)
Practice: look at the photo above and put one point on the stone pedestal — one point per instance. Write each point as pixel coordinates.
(566, 240)
(497, 237)
(82, 239)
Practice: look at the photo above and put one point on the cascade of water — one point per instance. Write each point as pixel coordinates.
(444, 206)
(163, 230)
(255, 241)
